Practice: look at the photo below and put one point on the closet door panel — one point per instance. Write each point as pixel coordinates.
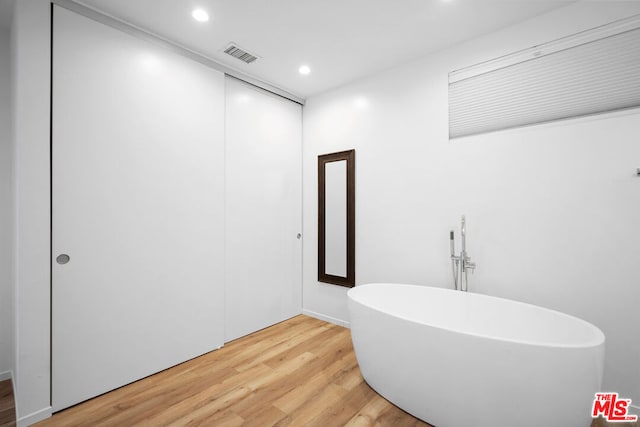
(263, 209)
(138, 207)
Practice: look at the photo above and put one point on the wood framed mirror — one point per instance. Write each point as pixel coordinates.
(337, 218)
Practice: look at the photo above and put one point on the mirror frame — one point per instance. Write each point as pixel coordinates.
(350, 279)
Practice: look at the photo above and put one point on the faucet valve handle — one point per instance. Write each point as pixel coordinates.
(470, 265)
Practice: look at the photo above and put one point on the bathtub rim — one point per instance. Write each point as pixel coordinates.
(598, 340)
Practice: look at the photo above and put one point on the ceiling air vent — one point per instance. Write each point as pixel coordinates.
(239, 53)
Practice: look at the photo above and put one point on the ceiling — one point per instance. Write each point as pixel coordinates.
(340, 40)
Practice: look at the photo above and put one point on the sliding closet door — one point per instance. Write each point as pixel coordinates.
(263, 209)
(138, 212)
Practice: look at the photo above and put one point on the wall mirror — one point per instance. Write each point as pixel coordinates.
(336, 218)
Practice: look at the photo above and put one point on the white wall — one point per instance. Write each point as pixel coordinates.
(30, 54)
(6, 206)
(551, 209)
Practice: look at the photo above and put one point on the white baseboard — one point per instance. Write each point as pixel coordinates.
(35, 417)
(6, 376)
(326, 318)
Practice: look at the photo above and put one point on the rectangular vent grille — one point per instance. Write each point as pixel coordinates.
(240, 54)
(595, 77)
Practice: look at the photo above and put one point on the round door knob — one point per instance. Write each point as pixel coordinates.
(62, 259)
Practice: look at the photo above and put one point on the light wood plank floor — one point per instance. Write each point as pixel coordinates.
(600, 422)
(301, 372)
(7, 405)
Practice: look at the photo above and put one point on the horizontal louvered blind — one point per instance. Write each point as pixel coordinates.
(597, 76)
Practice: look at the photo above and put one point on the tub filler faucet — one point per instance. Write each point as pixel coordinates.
(460, 264)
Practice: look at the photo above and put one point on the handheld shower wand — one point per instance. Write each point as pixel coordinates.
(463, 256)
(460, 263)
(454, 259)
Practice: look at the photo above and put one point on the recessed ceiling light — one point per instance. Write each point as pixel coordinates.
(304, 70)
(200, 15)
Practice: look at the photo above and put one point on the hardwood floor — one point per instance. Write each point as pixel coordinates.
(301, 372)
(7, 405)
(600, 422)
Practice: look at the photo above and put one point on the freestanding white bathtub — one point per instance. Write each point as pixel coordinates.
(458, 359)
